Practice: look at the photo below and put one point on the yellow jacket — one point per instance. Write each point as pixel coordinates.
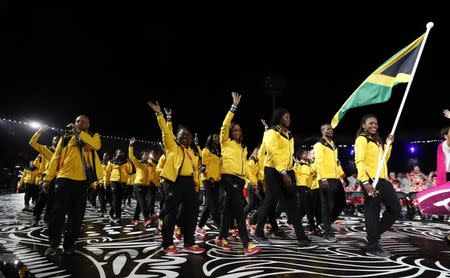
(160, 166)
(234, 155)
(279, 149)
(327, 162)
(66, 161)
(303, 173)
(367, 154)
(46, 152)
(261, 158)
(155, 180)
(28, 176)
(117, 172)
(143, 169)
(177, 155)
(212, 163)
(254, 169)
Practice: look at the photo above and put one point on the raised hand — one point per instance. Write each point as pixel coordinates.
(447, 113)
(43, 129)
(266, 127)
(168, 112)
(236, 98)
(155, 106)
(132, 141)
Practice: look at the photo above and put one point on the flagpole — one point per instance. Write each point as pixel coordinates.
(381, 161)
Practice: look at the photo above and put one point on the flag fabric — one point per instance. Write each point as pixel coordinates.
(377, 88)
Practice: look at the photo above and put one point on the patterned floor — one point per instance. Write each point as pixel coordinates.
(131, 251)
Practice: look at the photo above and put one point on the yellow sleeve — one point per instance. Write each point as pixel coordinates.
(22, 178)
(160, 165)
(167, 135)
(388, 155)
(341, 172)
(269, 142)
(262, 153)
(92, 141)
(40, 148)
(360, 153)
(52, 167)
(225, 129)
(108, 170)
(251, 177)
(37, 162)
(319, 153)
(133, 159)
(170, 126)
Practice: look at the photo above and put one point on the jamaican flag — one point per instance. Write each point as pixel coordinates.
(377, 88)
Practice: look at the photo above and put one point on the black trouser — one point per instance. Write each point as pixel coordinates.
(92, 195)
(69, 198)
(141, 193)
(151, 199)
(31, 192)
(276, 190)
(333, 203)
(117, 189)
(212, 195)
(253, 201)
(181, 192)
(108, 195)
(316, 205)
(372, 205)
(233, 207)
(102, 197)
(305, 205)
(44, 200)
(127, 192)
(161, 201)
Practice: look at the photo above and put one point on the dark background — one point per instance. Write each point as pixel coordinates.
(106, 61)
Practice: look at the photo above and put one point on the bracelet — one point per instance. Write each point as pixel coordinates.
(169, 118)
(233, 108)
(158, 113)
(284, 172)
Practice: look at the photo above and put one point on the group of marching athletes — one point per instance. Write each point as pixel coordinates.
(242, 192)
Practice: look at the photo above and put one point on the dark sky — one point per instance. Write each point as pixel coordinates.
(107, 61)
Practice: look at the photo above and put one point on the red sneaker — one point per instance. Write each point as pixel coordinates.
(223, 243)
(178, 235)
(200, 231)
(147, 223)
(252, 249)
(171, 250)
(135, 222)
(194, 249)
(160, 223)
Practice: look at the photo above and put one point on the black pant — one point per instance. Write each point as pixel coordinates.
(316, 205)
(44, 201)
(276, 191)
(92, 195)
(141, 193)
(108, 195)
(372, 205)
(333, 203)
(181, 192)
(305, 205)
(126, 194)
(212, 195)
(151, 198)
(69, 198)
(233, 207)
(31, 192)
(161, 201)
(102, 197)
(117, 189)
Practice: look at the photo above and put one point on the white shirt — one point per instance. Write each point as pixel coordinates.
(446, 149)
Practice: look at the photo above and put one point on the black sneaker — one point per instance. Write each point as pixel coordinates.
(330, 238)
(383, 251)
(69, 251)
(304, 242)
(50, 251)
(34, 223)
(263, 240)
